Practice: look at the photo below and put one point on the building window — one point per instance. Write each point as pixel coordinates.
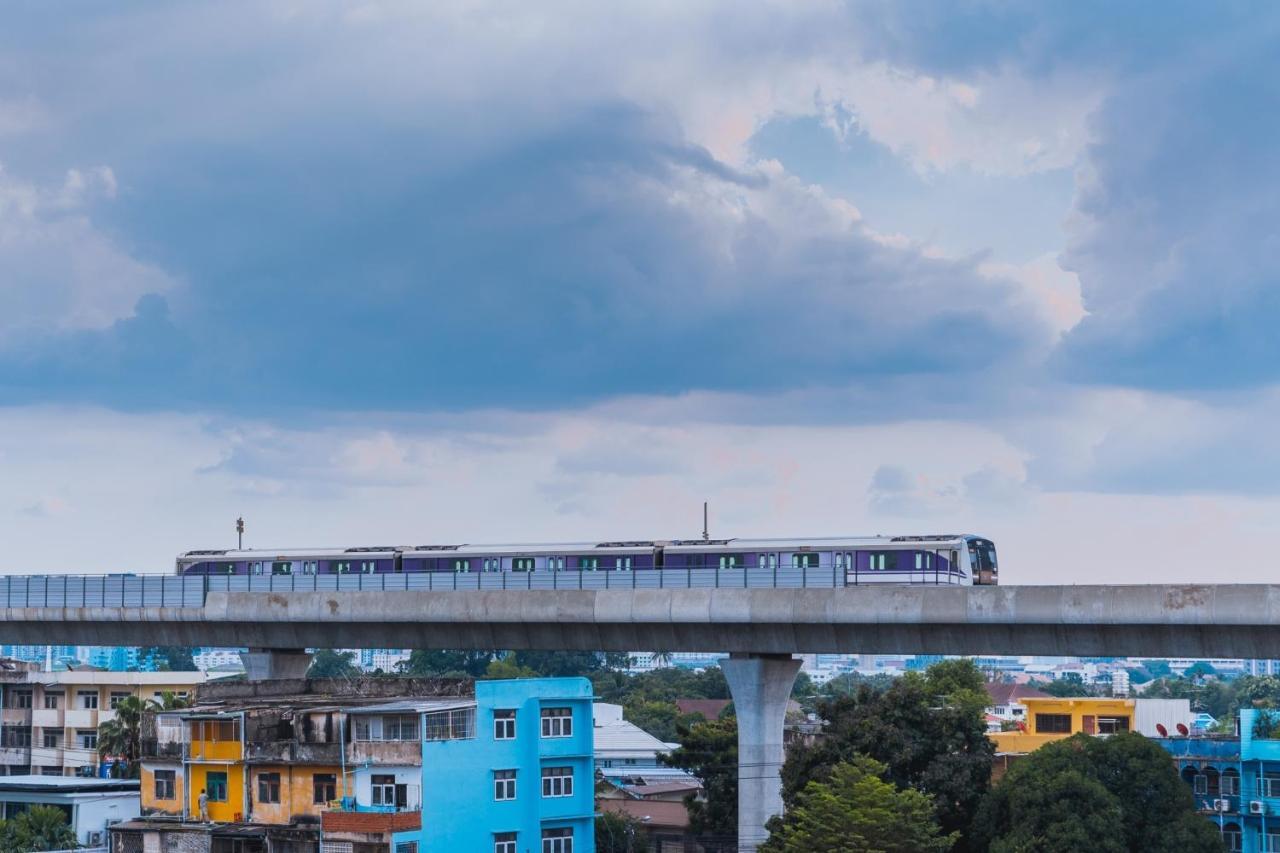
(1230, 784)
(1112, 725)
(390, 727)
(1271, 842)
(22, 699)
(504, 785)
(88, 700)
(50, 770)
(557, 781)
(557, 722)
(1055, 724)
(268, 787)
(166, 782)
(1270, 786)
(117, 698)
(88, 738)
(504, 725)
(1233, 837)
(52, 739)
(459, 724)
(557, 840)
(406, 847)
(216, 786)
(1200, 784)
(16, 736)
(504, 842)
(52, 701)
(324, 788)
(385, 791)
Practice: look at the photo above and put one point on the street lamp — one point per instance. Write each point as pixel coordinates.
(240, 534)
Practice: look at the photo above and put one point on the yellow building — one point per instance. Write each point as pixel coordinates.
(1052, 719)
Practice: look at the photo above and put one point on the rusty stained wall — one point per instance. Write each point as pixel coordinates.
(408, 752)
(297, 793)
(151, 803)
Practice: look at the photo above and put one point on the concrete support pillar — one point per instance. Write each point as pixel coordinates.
(270, 664)
(761, 686)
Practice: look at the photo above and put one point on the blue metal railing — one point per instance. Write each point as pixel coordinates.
(63, 591)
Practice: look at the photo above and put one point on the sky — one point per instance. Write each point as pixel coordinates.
(391, 272)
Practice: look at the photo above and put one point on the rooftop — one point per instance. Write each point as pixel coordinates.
(66, 784)
(1002, 693)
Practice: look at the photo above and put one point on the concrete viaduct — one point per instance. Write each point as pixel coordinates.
(762, 628)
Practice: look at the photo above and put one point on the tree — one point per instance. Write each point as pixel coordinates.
(855, 811)
(929, 730)
(39, 828)
(709, 752)
(329, 663)
(507, 668)
(435, 663)
(122, 736)
(1068, 685)
(170, 658)
(618, 833)
(560, 664)
(1107, 795)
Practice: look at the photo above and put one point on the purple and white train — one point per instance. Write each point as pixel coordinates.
(930, 559)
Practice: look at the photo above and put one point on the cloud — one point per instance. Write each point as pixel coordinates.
(59, 271)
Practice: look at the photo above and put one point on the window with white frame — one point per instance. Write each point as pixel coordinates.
(384, 790)
(117, 698)
(88, 700)
(458, 724)
(504, 724)
(393, 727)
(557, 781)
(87, 738)
(1200, 784)
(1230, 784)
(1270, 842)
(1271, 785)
(504, 785)
(557, 840)
(557, 722)
(504, 842)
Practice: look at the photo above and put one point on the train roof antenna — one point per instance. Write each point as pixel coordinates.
(706, 534)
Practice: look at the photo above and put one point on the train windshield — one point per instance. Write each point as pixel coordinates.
(982, 554)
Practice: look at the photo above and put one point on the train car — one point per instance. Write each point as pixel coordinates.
(925, 559)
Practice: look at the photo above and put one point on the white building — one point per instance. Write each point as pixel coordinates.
(91, 805)
(620, 744)
(220, 659)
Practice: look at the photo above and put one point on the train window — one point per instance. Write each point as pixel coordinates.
(768, 561)
(343, 567)
(282, 568)
(839, 560)
(804, 561)
(589, 563)
(731, 561)
(228, 568)
(462, 565)
(493, 564)
(308, 567)
(924, 560)
(555, 564)
(255, 568)
(368, 567)
(522, 564)
(622, 564)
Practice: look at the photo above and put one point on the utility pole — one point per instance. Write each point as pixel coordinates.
(706, 533)
(240, 534)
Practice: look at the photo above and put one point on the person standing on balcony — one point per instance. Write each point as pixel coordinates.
(203, 801)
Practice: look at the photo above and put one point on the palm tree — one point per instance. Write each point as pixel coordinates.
(122, 736)
(39, 828)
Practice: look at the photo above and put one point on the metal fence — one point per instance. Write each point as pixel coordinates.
(189, 591)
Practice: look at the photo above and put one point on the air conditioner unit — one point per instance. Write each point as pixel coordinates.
(95, 839)
(1257, 807)
(1222, 805)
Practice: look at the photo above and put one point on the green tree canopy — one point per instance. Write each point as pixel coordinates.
(855, 811)
(616, 833)
(328, 663)
(1107, 795)
(709, 751)
(929, 730)
(122, 735)
(39, 828)
(1070, 684)
(436, 663)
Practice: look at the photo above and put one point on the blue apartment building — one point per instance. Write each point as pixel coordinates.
(510, 771)
(1236, 783)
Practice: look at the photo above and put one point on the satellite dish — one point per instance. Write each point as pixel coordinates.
(1162, 730)
(1182, 730)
